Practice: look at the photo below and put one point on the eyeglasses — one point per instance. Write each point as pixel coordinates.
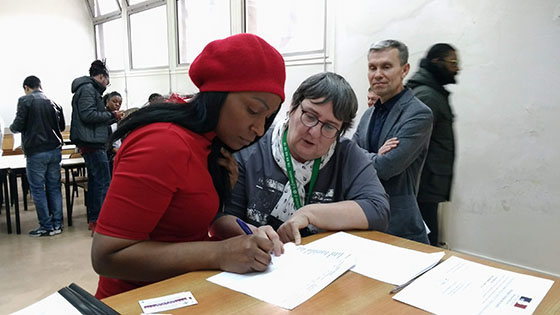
(310, 120)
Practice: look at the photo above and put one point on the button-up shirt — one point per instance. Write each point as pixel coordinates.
(378, 118)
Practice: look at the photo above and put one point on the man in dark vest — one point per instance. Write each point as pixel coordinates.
(437, 69)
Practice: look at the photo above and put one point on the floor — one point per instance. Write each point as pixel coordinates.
(32, 268)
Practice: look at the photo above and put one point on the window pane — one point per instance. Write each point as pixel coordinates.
(133, 2)
(102, 7)
(148, 36)
(198, 23)
(302, 23)
(109, 38)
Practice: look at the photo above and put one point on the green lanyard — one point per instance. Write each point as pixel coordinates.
(292, 177)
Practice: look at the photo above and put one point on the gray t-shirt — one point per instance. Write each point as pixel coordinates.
(349, 175)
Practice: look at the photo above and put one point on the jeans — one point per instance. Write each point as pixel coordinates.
(99, 178)
(43, 174)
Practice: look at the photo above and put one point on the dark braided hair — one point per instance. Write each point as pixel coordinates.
(98, 67)
(200, 115)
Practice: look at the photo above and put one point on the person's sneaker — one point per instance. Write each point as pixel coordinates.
(41, 232)
(57, 230)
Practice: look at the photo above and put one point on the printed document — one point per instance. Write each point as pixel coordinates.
(380, 261)
(291, 278)
(51, 305)
(459, 286)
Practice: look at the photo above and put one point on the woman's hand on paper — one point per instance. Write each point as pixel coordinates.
(289, 230)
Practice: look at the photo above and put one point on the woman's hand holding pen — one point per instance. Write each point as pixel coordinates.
(268, 232)
(265, 231)
(245, 253)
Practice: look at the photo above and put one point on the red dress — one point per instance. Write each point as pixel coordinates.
(161, 190)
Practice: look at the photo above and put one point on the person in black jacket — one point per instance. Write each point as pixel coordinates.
(89, 131)
(438, 68)
(41, 121)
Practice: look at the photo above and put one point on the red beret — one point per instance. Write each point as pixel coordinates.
(239, 63)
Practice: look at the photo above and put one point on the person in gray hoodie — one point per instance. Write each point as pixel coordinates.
(89, 131)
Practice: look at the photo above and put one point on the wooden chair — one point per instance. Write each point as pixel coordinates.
(78, 179)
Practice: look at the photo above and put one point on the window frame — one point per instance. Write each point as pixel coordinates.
(307, 56)
(138, 8)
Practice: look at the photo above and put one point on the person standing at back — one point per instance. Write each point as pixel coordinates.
(371, 97)
(438, 68)
(155, 98)
(89, 131)
(41, 121)
(396, 132)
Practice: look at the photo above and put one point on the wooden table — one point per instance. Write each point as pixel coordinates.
(10, 167)
(350, 294)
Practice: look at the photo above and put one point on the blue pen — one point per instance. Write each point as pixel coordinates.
(244, 226)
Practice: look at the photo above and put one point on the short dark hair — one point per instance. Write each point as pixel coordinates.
(154, 96)
(439, 51)
(98, 67)
(108, 96)
(391, 43)
(332, 87)
(32, 82)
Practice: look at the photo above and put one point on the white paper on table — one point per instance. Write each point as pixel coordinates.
(380, 261)
(51, 305)
(292, 278)
(459, 286)
(17, 140)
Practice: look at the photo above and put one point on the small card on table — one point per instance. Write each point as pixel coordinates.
(168, 302)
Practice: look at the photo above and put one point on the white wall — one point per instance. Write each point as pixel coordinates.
(40, 38)
(505, 202)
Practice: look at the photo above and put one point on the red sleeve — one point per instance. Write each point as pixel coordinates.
(148, 169)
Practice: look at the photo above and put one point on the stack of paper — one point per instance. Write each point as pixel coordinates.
(380, 261)
(292, 278)
(459, 286)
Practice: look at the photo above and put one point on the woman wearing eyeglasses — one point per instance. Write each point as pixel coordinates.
(302, 177)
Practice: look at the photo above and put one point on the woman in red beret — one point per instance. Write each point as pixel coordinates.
(174, 171)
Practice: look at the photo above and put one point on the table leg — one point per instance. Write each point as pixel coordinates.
(7, 202)
(13, 181)
(69, 204)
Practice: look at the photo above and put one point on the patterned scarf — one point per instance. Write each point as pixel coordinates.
(302, 171)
